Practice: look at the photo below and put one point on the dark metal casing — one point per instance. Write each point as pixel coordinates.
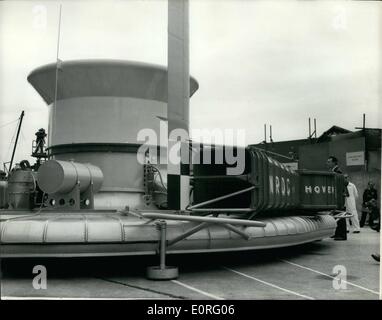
(321, 190)
(277, 187)
(3, 193)
(21, 187)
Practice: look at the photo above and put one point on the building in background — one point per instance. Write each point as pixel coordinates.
(358, 152)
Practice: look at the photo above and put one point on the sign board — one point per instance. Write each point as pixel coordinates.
(355, 158)
(291, 165)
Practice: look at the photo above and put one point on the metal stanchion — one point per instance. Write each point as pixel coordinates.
(162, 272)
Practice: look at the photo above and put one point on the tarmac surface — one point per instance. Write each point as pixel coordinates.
(303, 272)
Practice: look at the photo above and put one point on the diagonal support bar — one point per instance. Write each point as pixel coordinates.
(187, 233)
(203, 225)
(236, 230)
(221, 198)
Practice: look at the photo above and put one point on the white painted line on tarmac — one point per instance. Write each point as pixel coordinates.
(197, 290)
(270, 284)
(329, 276)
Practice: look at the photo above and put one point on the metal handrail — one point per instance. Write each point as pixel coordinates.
(240, 222)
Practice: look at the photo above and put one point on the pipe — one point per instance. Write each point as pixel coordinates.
(265, 133)
(221, 198)
(244, 177)
(315, 128)
(223, 210)
(270, 133)
(240, 222)
(278, 154)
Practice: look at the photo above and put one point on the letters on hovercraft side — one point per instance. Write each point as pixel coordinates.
(280, 185)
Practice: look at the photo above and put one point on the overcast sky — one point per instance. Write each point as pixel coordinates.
(256, 61)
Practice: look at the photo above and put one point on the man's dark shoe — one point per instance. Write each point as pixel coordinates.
(356, 231)
(375, 227)
(339, 239)
(376, 257)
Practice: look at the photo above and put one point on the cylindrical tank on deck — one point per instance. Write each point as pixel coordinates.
(56, 176)
(21, 187)
(101, 107)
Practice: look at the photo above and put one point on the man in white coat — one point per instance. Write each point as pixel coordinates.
(350, 204)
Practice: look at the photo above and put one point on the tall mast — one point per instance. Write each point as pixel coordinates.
(178, 96)
(178, 65)
(17, 138)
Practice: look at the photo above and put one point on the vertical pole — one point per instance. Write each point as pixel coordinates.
(162, 272)
(57, 67)
(364, 134)
(178, 65)
(270, 133)
(162, 248)
(178, 179)
(315, 128)
(265, 133)
(310, 130)
(17, 138)
(364, 122)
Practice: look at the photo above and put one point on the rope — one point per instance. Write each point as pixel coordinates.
(10, 144)
(6, 124)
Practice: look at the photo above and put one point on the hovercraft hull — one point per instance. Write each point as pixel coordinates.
(102, 233)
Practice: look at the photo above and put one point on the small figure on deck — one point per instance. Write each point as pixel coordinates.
(40, 143)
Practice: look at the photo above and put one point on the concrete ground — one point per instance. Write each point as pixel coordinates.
(302, 272)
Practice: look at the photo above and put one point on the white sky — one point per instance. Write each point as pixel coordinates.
(256, 61)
